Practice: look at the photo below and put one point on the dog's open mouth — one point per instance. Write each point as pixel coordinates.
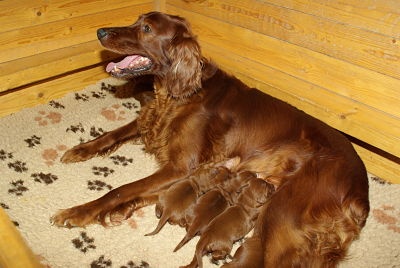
(134, 64)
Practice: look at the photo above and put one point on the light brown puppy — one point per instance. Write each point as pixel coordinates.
(213, 203)
(207, 207)
(248, 255)
(179, 199)
(232, 187)
(233, 224)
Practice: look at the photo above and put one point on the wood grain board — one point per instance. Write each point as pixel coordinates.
(44, 39)
(337, 60)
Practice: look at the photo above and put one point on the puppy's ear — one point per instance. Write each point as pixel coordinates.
(184, 76)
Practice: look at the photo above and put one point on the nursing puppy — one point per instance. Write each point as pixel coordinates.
(233, 224)
(213, 203)
(178, 200)
(248, 255)
(208, 206)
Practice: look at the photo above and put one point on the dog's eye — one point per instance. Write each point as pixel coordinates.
(146, 28)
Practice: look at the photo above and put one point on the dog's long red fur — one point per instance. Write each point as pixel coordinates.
(201, 114)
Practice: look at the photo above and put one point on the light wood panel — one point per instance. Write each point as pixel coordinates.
(159, 5)
(59, 34)
(338, 39)
(62, 41)
(308, 98)
(338, 61)
(43, 66)
(344, 114)
(318, 71)
(378, 165)
(27, 13)
(54, 89)
(348, 80)
(380, 16)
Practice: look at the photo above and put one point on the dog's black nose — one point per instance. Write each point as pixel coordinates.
(101, 33)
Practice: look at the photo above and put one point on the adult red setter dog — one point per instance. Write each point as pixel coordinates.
(201, 114)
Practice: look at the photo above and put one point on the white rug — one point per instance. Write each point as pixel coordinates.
(34, 184)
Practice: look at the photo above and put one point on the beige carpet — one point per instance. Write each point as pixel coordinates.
(34, 184)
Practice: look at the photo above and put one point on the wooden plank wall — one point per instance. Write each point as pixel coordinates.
(42, 40)
(337, 60)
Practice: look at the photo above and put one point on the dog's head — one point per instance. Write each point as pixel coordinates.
(158, 44)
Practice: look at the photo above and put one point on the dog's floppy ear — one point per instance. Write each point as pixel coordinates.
(184, 76)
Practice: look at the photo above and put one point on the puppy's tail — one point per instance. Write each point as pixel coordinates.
(186, 239)
(201, 251)
(163, 220)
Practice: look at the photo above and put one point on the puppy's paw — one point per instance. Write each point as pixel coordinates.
(159, 210)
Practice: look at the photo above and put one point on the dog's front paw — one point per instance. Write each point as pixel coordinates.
(78, 153)
(72, 217)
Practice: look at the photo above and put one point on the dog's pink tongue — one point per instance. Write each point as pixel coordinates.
(122, 64)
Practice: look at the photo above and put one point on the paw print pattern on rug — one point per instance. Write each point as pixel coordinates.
(18, 166)
(389, 216)
(76, 128)
(56, 105)
(44, 118)
(33, 141)
(98, 95)
(380, 181)
(83, 242)
(50, 155)
(130, 105)
(107, 88)
(82, 97)
(114, 113)
(131, 264)
(97, 185)
(5, 155)
(102, 171)
(17, 188)
(101, 262)
(96, 132)
(4, 206)
(46, 178)
(121, 160)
